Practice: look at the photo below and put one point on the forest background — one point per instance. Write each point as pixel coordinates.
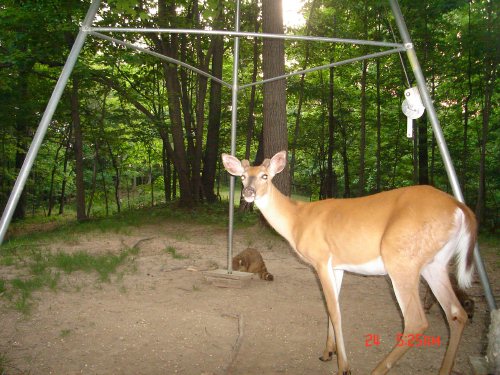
(133, 131)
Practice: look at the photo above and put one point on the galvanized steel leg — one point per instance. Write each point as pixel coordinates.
(45, 121)
(438, 133)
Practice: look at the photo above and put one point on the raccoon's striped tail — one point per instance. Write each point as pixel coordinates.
(266, 276)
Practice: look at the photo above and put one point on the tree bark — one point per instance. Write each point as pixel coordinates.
(275, 134)
(78, 147)
(214, 119)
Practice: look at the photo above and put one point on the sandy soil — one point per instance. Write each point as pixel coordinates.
(160, 315)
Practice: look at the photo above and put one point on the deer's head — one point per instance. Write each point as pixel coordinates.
(256, 180)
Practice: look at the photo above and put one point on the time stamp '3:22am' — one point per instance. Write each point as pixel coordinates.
(410, 340)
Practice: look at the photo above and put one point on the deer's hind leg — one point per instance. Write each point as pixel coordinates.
(405, 281)
(436, 275)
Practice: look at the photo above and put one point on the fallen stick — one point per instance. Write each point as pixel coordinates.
(237, 344)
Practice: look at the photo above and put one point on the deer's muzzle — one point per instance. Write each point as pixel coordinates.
(248, 194)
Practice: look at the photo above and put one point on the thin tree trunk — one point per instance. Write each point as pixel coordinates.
(167, 172)
(244, 205)
(104, 185)
(214, 118)
(378, 171)
(94, 179)
(362, 140)
(65, 171)
(52, 176)
(298, 114)
(78, 147)
(490, 69)
(343, 152)
(116, 167)
(465, 146)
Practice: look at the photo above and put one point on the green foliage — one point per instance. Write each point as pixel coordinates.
(125, 110)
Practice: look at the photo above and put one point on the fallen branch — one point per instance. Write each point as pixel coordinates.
(237, 344)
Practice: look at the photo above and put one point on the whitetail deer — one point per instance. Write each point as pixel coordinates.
(403, 233)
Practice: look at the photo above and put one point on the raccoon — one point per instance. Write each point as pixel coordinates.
(466, 302)
(250, 260)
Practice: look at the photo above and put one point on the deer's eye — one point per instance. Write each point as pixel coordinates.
(243, 178)
(264, 177)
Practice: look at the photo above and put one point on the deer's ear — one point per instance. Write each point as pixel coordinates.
(232, 165)
(277, 163)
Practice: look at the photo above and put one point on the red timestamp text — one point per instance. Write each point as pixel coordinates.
(417, 340)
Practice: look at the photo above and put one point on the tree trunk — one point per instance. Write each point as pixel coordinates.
(362, 135)
(298, 114)
(167, 172)
(490, 69)
(168, 45)
(78, 147)
(22, 122)
(214, 119)
(378, 171)
(52, 175)
(465, 146)
(275, 135)
(343, 152)
(116, 167)
(65, 171)
(244, 205)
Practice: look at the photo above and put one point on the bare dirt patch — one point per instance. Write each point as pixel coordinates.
(162, 317)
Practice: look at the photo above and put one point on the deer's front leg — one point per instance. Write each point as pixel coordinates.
(331, 287)
(330, 347)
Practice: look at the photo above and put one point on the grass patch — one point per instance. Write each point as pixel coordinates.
(64, 333)
(4, 364)
(172, 251)
(43, 270)
(104, 265)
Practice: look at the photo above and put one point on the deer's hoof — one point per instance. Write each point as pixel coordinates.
(326, 358)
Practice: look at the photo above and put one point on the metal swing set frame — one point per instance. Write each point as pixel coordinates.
(87, 29)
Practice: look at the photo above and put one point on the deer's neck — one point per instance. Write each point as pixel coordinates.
(280, 211)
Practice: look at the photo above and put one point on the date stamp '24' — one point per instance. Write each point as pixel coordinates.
(417, 340)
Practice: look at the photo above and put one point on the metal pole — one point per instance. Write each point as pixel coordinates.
(45, 121)
(244, 34)
(160, 56)
(438, 133)
(234, 116)
(322, 67)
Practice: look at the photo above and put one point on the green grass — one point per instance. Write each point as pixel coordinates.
(38, 268)
(4, 364)
(171, 250)
(41, 269)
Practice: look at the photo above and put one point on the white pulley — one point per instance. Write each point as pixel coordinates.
(412, 108)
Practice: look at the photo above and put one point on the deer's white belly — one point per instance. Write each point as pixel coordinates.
(372, 268)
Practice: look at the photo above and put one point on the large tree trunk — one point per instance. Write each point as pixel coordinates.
(78, 147)
(275, 135)
(168, 45)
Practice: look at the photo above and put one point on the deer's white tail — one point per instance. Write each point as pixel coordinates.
(465, 240)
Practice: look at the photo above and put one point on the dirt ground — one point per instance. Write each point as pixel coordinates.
(162, 317)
